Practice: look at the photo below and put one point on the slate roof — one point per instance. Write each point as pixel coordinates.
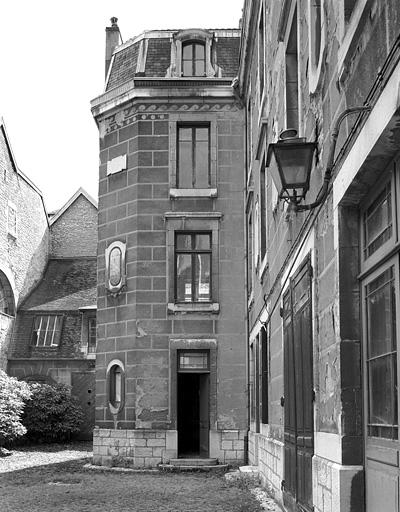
(68, 284)
(158, 57)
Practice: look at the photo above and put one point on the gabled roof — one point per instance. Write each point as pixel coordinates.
(67, 285)
(62, 210)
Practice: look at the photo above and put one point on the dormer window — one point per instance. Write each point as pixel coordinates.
(193, 53)
(193, 59)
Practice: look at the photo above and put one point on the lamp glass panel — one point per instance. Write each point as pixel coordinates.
(295, 164)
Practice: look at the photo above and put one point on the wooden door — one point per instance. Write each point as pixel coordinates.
(84, 388)
(298, 389)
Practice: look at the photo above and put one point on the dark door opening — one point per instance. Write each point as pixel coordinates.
(193, 414)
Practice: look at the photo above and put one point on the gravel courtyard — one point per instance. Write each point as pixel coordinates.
(54, 478)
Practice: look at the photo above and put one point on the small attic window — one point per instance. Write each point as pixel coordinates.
(193, 59)
(193, 53)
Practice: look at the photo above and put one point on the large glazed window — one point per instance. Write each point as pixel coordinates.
(381, 355)
(47, 331)
(193, 267)
(194, 156)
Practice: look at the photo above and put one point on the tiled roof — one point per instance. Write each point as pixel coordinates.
(68, 284)
(158, 57)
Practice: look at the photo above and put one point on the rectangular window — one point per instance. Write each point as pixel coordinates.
(263, 212)
(261, 49)
(193, 267)
(380, 302)
(378, 226)
(292, 79)
(249, 253)
(194, 156)
(47, 331)
(264, 376)
(12, 220)
(92, 336)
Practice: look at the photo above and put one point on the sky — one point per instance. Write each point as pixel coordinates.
(52, 65)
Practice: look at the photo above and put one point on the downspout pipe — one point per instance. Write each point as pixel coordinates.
(322, 194)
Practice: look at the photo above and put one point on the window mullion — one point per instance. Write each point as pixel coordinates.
(194, 157)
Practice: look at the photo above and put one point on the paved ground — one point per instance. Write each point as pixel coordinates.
(38, 480)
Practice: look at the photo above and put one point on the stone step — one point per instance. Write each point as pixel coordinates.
(176, 468)
(194, 462)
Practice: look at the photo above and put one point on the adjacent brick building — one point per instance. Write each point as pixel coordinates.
(171, 358)
(54, 336)
(323, 284)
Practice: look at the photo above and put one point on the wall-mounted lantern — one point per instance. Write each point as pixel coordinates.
(115, 267)
(290, 162)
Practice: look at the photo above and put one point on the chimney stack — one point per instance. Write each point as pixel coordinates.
(112, 41)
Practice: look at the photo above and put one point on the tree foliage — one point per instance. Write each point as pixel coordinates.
(13, 393)
(52, 414)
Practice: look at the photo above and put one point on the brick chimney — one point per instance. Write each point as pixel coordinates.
(112, 40)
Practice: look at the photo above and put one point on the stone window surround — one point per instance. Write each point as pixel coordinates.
(192, 221)
(87, 317)
(315, 69)
(115, 410)
(174, 120)
(114, 290)
(187, 344)
(184, 36)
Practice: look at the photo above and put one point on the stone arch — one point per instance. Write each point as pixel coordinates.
(7, 301)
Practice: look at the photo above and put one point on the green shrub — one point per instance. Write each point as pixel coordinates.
(12, 395)
(52, 414)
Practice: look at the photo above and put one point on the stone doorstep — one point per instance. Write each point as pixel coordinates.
(120, 469)
(173, 468)
(193, 462)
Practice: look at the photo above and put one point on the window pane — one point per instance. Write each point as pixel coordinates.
(381, 314)
(378, 222)
(382, 382)
(199, 68)
(193, 360)
(202, 278)
(185, 134)
(202, 134)
(184, 241)
(50, 330)
(202, 241)
(199, 51)
(202, 167)
(185, 165)
(188, 51)
(184, 277)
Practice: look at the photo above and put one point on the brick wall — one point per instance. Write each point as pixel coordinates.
(74, 233)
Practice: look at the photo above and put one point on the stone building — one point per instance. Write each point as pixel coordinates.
(24, 239)
(323, 283)
(171, 353)
(54, 336)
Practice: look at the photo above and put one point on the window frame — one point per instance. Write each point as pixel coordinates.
(194, 43)
(203, 369)
(367, 263)
(193, 253)
(392, 262)
(115, 406)
(177, 120)
(56, 333)
(315, 60)
(193, 142)
(193, 222)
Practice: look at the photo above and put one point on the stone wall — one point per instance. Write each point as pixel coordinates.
(74, 233)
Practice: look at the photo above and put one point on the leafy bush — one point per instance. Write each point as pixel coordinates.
(12, 395)
(52, 414)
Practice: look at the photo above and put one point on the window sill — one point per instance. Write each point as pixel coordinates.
(176, 193)
(193, 308)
